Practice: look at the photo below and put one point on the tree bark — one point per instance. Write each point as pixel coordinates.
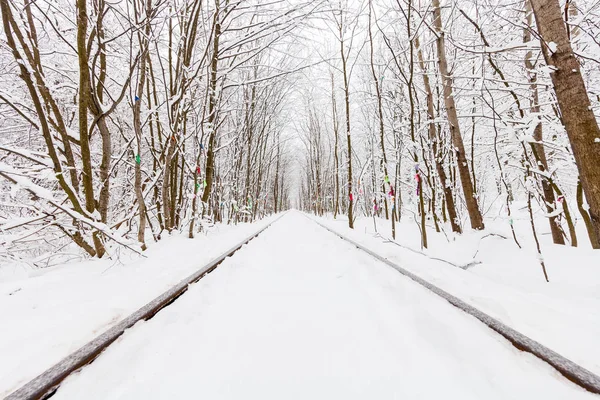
(379, 115)
(433, 137)
(463, 167)
(538, 147)
(348, 139)
(594, 239)
(83, 104)
(577, 115)
(137, 127)
(336, 205)
(210, 155)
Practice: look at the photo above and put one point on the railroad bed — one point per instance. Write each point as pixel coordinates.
(300, 314)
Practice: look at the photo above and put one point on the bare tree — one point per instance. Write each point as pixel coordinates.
(463, 167)
(577, 115)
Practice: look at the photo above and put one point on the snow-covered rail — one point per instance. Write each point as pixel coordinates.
(45, 384)
(566, 367)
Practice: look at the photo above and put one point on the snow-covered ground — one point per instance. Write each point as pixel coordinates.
(48, 313)
(506, 282)
(300, 314)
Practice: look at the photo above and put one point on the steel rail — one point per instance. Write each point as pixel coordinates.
(46, 384)
(572, 371)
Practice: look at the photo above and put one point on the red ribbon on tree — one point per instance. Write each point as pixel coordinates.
(351, 198)
(198, 170)
(418, 178)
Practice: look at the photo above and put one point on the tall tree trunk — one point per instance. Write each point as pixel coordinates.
(336, 205)
(137, 126)
(276, 180)
(433, 138)
(212, 103)
(577, 115)
(540, 153)
(348, 139)
(104, 195)
(83, 104)
(83, 101)
(379, 114)
(138, 160)
(166, 186)
(410, 83)
(45, 128)
(457, 141)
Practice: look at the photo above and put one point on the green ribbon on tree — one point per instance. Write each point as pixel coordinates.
(386, 179)
(197, 186)
(138, 159)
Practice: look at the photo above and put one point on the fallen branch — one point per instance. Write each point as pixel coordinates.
(422, 253)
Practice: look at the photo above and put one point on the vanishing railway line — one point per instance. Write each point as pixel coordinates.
(566, 367)
(46, 384)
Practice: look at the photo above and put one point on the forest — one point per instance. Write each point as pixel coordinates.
(125, 121)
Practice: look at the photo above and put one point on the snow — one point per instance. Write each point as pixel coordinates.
(504, 281)
(548, 69)
(23, 182)
(54, 311)
(300, 314)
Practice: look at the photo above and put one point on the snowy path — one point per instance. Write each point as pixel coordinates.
(299, 314)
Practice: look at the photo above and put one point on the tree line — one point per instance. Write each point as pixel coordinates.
(458, 106)
(128, 119)
(141, 117)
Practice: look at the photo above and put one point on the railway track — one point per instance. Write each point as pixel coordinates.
(572, 371)
(46, 384)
